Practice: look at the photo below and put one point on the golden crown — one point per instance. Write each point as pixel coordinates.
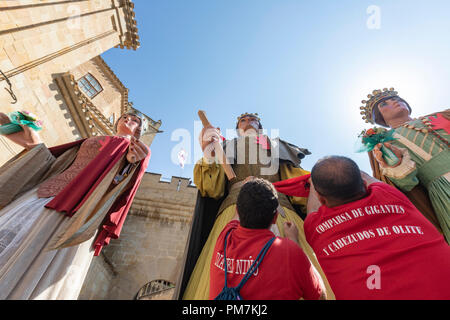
(374, 98)
(248, 115)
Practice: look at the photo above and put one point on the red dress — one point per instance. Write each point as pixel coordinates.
(77, 191)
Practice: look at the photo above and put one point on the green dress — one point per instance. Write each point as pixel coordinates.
(427, 162)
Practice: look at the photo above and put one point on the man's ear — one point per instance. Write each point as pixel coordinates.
(274, 221)
(323, 200)
(236, 215)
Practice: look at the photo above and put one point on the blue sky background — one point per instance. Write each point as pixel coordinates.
(304, 66)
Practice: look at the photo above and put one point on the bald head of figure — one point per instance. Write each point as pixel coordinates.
(338, 180)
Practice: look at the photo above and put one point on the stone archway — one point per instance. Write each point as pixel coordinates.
(156, 290)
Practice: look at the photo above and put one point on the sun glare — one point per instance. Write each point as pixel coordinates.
(410, 85)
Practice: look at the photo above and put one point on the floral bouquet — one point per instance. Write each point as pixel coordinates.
(18, 118)
(371, 137)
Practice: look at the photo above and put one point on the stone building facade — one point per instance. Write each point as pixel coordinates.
(145, 261)
(45, 40)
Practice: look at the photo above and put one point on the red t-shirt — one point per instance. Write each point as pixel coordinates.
(380, 247)
(285, 273)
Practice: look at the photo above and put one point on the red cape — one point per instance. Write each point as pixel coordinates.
(296, 187)
(72, 197)
(113, 223)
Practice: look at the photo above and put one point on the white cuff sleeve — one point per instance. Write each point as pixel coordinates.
(401, 171)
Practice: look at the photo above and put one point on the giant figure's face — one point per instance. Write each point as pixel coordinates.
(248, 125)
(392, 108)
(128, 124)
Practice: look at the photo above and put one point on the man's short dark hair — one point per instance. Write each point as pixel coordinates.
(256, 204)
(337, 178)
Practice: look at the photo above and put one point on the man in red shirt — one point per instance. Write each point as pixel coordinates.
(371, 242)
(285, 272)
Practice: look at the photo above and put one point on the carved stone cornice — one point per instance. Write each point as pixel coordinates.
(131, 35)
(89, 120)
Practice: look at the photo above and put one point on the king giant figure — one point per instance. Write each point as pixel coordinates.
(251, 154)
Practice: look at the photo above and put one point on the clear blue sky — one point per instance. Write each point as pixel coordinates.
(304, 66)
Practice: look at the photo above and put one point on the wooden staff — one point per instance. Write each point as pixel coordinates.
(217, 148)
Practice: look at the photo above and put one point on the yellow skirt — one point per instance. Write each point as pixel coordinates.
(198, 286)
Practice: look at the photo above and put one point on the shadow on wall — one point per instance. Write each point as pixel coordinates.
(62, 104)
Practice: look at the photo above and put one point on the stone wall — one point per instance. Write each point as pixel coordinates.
(99, 277)
(151, 244)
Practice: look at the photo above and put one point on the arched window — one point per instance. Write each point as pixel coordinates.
(90, 86)
(155, 290)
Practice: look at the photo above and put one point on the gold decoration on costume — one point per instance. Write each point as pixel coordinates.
(427, 129)
(374, 98)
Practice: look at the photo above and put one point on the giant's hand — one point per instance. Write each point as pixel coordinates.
(137, 151)
(379, 155)
(207, 138)
(32, 138)
(27, 138)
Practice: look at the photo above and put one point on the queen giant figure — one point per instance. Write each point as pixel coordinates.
(59, 206)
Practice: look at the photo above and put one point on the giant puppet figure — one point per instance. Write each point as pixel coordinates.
(59, 206)
(251, 154)
(422, 145)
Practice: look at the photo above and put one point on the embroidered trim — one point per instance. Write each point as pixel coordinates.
(420, 152)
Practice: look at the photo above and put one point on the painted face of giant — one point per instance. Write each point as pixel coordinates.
(129, 124)
(392, 108)
(248, 125)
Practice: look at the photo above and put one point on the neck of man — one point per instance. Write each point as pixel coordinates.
(334, 203)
